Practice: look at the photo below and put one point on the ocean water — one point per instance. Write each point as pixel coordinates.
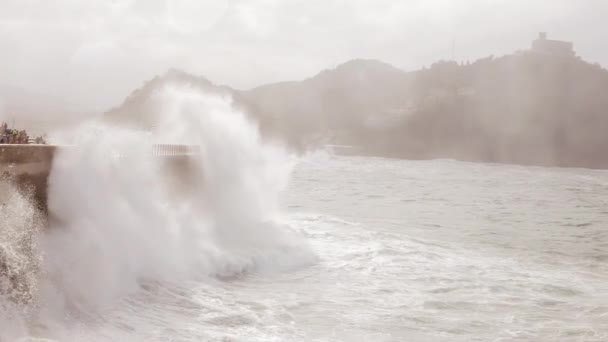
(270, 247)
(452, 251)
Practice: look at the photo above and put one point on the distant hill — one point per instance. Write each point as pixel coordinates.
(524, 108)
(337, 102)
(333, 101)
(531, 107)
(138, 110)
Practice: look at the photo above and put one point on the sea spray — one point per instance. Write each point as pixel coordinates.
(242, 177)
(20, 223)
(118, 228)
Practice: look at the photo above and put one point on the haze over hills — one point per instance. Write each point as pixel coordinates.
(542, 106)
(334, 102)
(139, 109)
(526, 108)
(303, 113)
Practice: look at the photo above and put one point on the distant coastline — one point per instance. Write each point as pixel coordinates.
(542, 105)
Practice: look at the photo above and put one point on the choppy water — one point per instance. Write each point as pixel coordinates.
(383, 250)
(451, 251)
(408, 251)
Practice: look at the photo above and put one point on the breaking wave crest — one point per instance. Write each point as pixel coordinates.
(122, 217)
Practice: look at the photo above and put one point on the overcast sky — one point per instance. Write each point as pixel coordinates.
(94, 52)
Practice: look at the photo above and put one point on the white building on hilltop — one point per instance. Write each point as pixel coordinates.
(552, 47)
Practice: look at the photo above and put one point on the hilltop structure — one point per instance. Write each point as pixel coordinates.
(552, 47)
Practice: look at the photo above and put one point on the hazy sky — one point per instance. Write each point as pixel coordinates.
(94, 52)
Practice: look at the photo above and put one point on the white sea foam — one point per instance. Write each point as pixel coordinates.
(118, 225)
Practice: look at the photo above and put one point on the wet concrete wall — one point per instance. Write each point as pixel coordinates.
(29, 166)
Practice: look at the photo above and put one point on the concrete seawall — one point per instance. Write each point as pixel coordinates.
(29, 166)
(18, 154)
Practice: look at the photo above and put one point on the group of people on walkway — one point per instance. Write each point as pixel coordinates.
(13, 136)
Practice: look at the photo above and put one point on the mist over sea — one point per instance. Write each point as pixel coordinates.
(270, 247)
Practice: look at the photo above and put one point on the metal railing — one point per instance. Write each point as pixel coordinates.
(174, 150)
